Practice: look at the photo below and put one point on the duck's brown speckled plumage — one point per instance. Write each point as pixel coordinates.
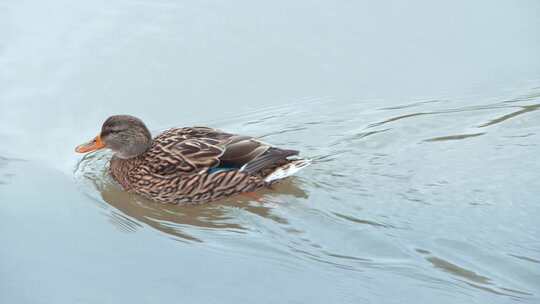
(189, 165)
(179, 166)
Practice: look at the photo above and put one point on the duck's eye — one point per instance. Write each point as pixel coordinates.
(107, 132)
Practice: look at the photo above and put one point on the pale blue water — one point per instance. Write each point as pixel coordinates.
(422, 118)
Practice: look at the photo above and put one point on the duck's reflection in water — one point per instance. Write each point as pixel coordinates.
(178, 220)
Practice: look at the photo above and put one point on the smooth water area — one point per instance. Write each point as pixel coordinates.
(421, 117)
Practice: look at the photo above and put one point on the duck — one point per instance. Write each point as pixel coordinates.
(189, 165)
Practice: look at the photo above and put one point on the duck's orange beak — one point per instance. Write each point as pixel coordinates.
(95, 144)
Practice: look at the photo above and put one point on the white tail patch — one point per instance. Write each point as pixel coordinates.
(287, 170)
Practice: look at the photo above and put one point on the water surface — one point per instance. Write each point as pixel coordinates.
(422, 119)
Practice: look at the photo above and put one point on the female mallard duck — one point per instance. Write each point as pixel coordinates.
(189, 165)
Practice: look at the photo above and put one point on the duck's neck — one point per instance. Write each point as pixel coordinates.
(135, 149)
(120, 169)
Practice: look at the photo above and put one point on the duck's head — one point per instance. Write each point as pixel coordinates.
(125, 135)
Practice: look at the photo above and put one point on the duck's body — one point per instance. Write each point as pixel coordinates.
(198, 164)
(191, 165)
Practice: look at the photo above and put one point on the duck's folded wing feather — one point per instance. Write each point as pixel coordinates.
(240, 150)
(205, 153)
(209, 148)
(251, 155)
(200, 153)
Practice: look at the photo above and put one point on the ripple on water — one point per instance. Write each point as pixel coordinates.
(5, 174)
(473, 278)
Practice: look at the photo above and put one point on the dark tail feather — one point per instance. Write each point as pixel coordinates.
(268, 158)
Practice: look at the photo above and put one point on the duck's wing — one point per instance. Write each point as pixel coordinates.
(200, 153)
(185, 151)
(197, 150)
(251, 155)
